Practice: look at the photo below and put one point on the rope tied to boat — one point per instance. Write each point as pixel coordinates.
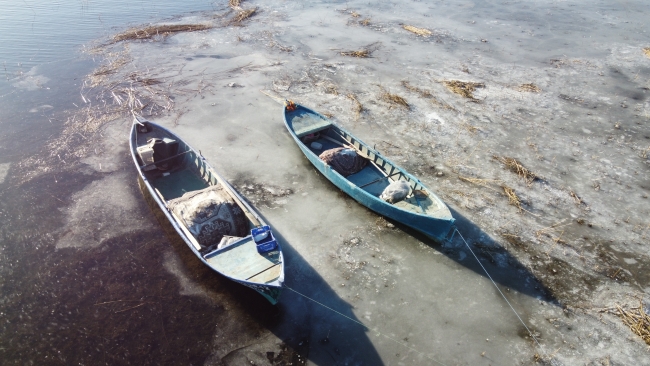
(365, 326)
(504, 297)
(290, 105)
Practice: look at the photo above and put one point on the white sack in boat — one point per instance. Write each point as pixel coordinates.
(210, 214)
(395, 191)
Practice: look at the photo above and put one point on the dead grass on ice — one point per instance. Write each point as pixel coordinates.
(419, 31)
(463, 88)
(160, 30)
(647, 51)
(393, 99)
(516, 167)
(530, 87)
(637, 319)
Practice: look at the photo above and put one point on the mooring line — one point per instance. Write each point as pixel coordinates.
(504, 296)
(365, 326)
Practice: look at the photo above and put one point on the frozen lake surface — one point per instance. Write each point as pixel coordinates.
(561, 89)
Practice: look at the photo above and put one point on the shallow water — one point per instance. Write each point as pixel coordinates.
(92, 273)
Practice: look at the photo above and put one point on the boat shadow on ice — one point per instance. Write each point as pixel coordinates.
(503, 267)
(304, 329)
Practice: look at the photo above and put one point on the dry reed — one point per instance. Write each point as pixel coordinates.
(637, 319)
(530, 87)
(463, 88)
(647, 51)
(512, 197)
(242, 15)
(362, 53)
(365, 22)
(576, 198)
(516, 167)
(423, 93)
(358, 107)
(419, 31)
(235, 4)
(162, 30)
(394, 99)
(479, 182)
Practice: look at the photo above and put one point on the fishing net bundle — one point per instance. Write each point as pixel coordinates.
(344, 160)
(210, 215)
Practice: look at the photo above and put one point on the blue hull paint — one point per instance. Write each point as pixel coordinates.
(437, 227)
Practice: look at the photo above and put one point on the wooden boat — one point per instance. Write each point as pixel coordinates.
(180, 180)
(421, 210)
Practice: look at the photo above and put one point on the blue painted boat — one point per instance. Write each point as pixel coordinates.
(421, 210)
(172, 171)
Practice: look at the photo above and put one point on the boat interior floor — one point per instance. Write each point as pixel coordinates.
(177, 181)
(242, 261)
(370, 180)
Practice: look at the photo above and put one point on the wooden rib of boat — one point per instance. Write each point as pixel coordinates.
(421, 210)
(173, 170)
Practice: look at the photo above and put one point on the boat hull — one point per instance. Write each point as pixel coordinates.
(270, 291)
(439, 229)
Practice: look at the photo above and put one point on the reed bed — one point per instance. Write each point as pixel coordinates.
(161, 30)
(419, 31)
(516, 167)
(463, 88)
(530, 87)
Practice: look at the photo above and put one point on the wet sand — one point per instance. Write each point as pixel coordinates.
(561, 88)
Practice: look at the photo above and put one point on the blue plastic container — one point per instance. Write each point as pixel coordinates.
(264, 239)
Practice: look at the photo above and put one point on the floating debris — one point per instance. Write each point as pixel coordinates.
(529, 88)
(463, 88)
(516, 167)
(163, 30)
(419, 31)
